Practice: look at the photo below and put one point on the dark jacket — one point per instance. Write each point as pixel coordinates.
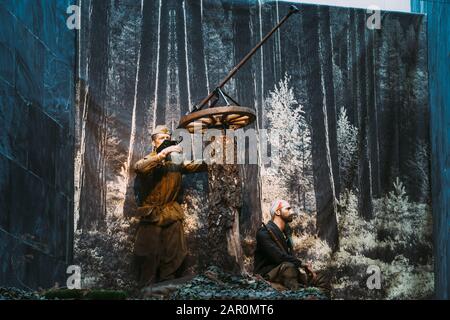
(268, 253)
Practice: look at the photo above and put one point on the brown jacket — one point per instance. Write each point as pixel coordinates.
(160, 205)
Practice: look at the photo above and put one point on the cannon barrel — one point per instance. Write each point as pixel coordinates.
(292, 9)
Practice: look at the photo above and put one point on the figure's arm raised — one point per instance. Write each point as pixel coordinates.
(148, 163)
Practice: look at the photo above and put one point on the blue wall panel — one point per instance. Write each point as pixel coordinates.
(438, 13)
(37, 63)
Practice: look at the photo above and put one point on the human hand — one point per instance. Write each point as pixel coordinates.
(308, 268)
(164, 153)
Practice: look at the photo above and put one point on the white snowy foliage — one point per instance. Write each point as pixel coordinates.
(347, 140)
(419, 167)
(397, 201)
(397, 240)
(406, 223)
(291, 167)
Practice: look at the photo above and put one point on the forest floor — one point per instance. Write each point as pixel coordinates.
(216, 284)
(213, 284)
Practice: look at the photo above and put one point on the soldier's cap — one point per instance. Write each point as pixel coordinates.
(161, 129)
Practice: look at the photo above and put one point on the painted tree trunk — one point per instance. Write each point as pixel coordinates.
(198, 71)
(372, 93)
(364, 173)
(184, 93)
(92, 196)
(142, 116)
(327, 57)
(322, 167)
(163, 50)
(196, 75)
(245, 90)
(353, 112)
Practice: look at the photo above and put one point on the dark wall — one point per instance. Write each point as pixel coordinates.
(37, 57)
(439, 66)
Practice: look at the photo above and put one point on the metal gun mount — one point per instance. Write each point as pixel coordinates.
(232, 116)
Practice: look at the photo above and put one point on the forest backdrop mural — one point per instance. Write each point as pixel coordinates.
(350, 104)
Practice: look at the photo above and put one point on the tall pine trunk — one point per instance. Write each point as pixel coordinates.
(322, 168)
(364, 173)
(373, 115)
(92, 197)
(183, 77)
(161, 90)
(199, 88)
(330, 101)
(353, 48)
(143, 95)
(196, 85)
(251, 211)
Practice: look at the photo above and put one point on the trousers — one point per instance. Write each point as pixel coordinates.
(160, 252)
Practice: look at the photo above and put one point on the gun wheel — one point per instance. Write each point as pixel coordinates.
(230, 117)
